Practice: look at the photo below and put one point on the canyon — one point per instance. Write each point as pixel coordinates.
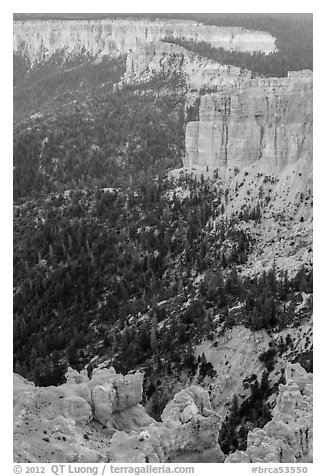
(251, 137)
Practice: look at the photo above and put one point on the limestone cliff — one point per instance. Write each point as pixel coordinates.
(38, 37)
(287, 438)
(262, 121)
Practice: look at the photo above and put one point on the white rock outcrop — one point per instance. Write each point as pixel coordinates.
(50, 423)
(101, 419)
(92, 420)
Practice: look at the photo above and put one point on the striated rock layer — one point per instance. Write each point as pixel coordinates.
(111, 36)
(287, 438)
(263, 121)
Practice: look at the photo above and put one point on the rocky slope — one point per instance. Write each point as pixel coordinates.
(164, 58)
(101, 419)
(235, 356)
(38, 38)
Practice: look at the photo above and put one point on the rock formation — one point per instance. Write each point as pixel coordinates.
(188, 425)
(38, 37)
(62, 423)
(75, 421)
(287, 438)
(101, 419)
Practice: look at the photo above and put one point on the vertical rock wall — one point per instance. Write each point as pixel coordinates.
(265, 120)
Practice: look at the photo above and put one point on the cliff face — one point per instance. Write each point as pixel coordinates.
(112, 36)
(263, 121)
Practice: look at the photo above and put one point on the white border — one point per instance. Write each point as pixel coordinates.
(319, 185)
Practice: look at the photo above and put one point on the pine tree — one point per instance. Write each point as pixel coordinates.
(264, 383)
(72, 354)
(153, 336)
(242, 437)
(234, 411)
